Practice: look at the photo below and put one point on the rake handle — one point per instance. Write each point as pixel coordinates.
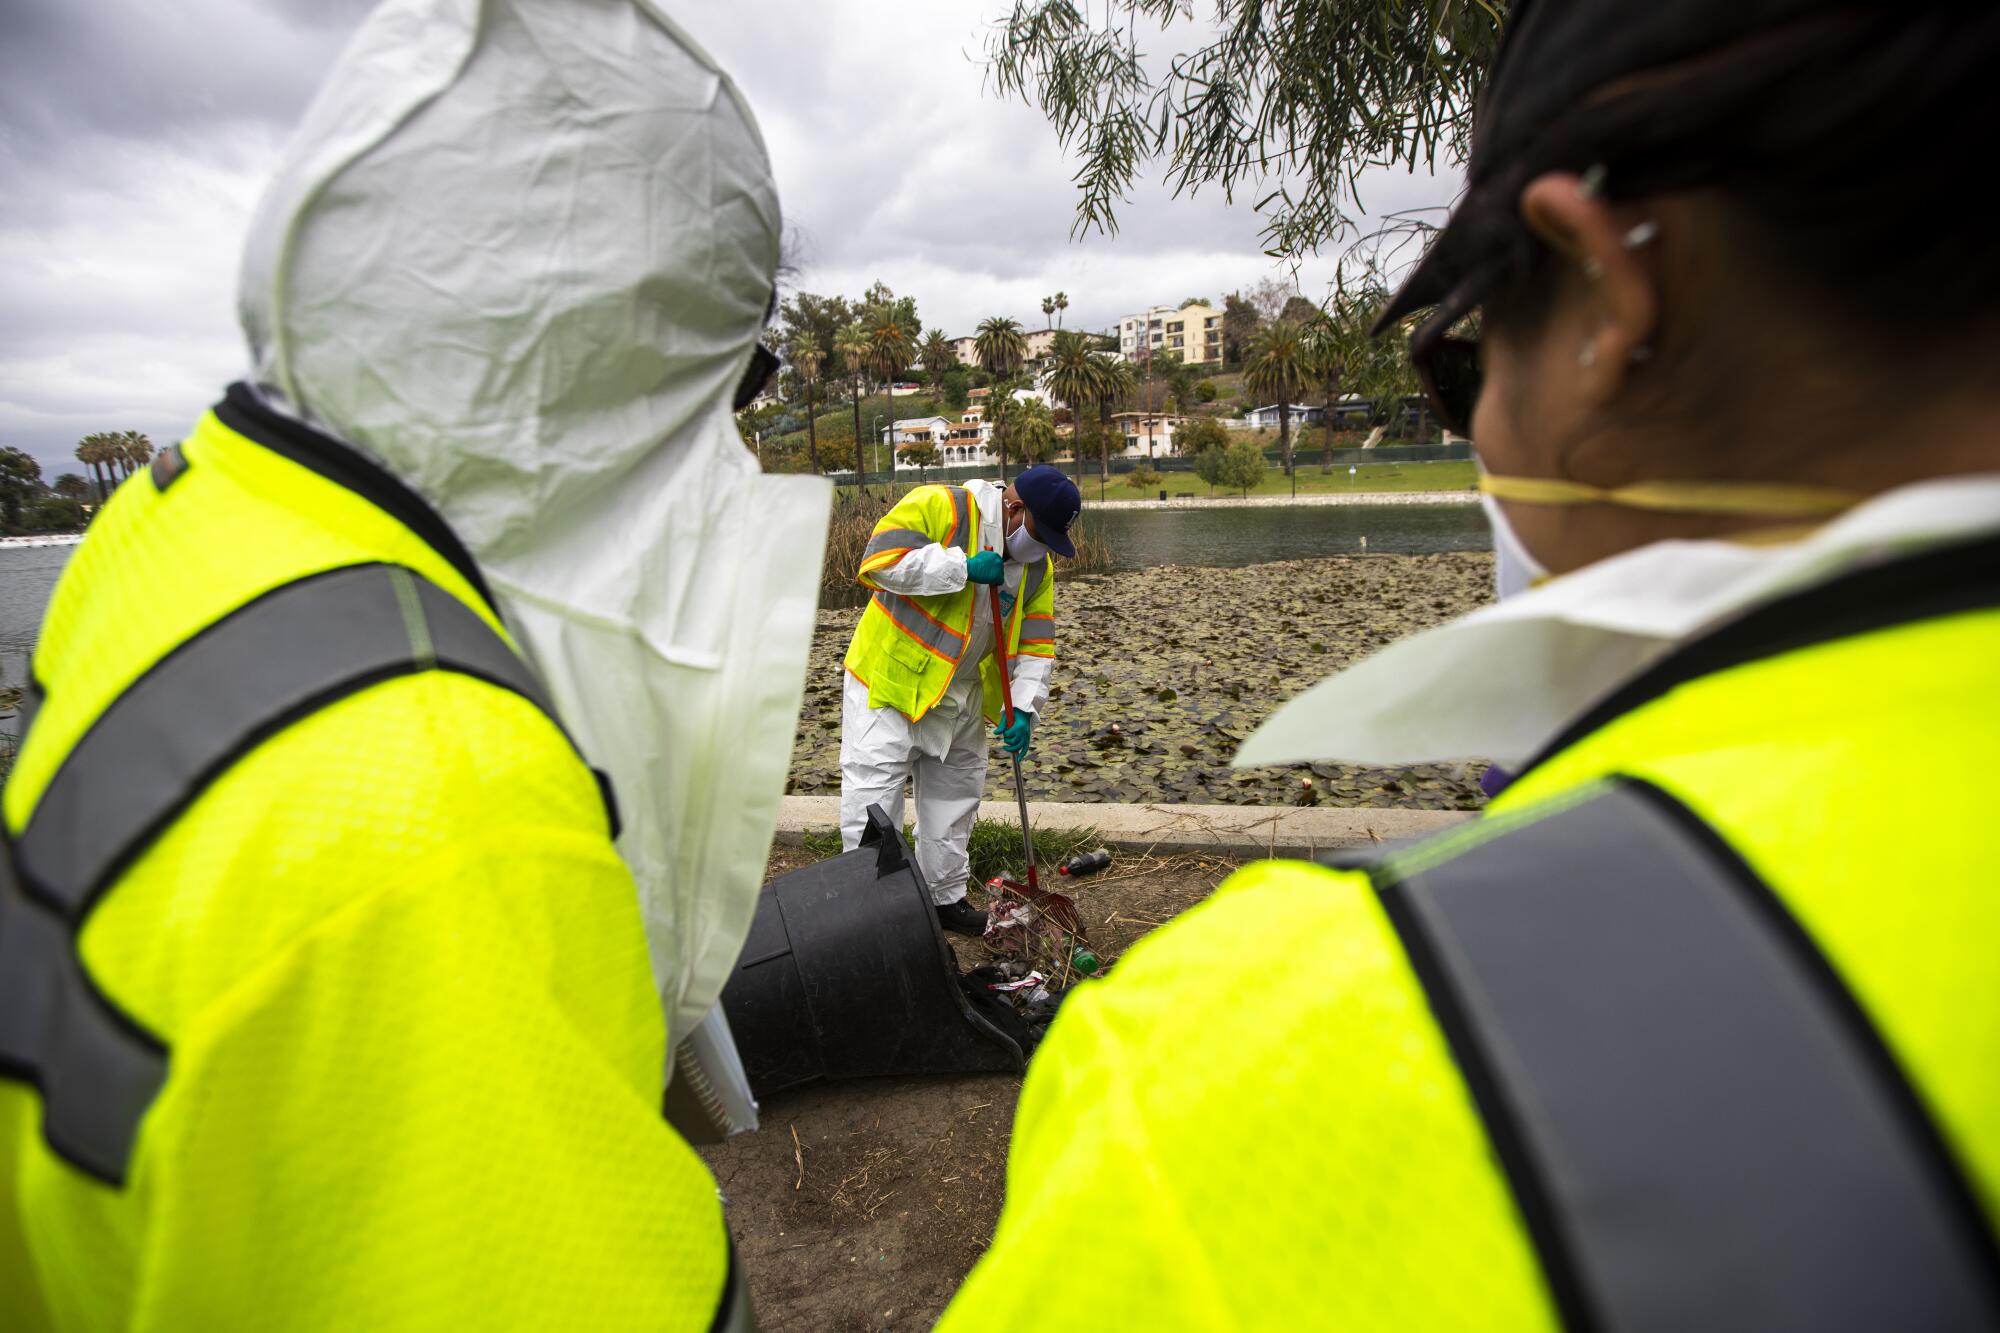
(1007, 717)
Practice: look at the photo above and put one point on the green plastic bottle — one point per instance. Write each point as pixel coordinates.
(1085, 962)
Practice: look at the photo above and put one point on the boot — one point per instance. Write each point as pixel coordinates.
(963, 917)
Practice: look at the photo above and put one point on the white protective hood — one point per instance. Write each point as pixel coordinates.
(519, 252)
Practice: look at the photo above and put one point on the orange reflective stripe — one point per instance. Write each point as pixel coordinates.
(881, 561)
(919, 624)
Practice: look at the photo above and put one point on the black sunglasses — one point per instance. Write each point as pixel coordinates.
(1448, 369)
(763, 365)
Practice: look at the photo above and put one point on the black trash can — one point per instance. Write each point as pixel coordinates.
(846, 973)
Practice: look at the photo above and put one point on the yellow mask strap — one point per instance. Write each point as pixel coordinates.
(1679, 497)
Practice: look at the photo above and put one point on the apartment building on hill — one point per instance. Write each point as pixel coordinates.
(1191, 332)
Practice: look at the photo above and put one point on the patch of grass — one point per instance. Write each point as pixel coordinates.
(823, 845)
(1443, 476)
(995, 848)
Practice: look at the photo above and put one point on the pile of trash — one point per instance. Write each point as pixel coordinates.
(1041, 942)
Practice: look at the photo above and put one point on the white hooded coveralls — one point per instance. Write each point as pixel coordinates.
(943, 756)
(520, 253)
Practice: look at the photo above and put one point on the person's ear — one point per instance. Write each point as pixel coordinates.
(1609, 246)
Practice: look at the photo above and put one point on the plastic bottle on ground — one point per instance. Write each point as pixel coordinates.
(1085, 863)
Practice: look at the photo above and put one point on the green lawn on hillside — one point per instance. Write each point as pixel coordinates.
(1446, 476)
(1367, 477)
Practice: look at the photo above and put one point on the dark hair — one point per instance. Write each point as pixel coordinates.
(1843, 148)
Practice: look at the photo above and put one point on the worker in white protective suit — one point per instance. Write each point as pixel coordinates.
(922, 680)
(380, 1006)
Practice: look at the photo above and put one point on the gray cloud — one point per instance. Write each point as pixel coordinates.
(135, 138)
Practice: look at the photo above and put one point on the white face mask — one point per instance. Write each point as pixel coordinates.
(1515, 569)
(1022, 545)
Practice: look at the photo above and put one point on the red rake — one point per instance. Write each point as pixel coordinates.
(1057, 907)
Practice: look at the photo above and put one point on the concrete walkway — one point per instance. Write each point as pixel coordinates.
(1236, 830)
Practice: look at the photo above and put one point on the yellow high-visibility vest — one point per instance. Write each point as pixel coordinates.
(1314, 1102)
(385, 973)
(906, 649)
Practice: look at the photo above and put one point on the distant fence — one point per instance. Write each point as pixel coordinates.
(1306, 454)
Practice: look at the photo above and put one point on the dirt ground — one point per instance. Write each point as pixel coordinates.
(863, 1205)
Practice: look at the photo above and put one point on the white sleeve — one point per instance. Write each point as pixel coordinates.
(924, 572)
(1030, 679)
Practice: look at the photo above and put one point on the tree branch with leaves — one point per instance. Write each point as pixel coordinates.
(1292, 99)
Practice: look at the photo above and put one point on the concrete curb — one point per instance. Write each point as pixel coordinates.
(1237, 830)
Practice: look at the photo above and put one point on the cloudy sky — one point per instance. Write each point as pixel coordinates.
(135, 136)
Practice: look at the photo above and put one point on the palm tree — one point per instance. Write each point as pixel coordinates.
(1032, 427)
(94, 451)
(1001, 349)
(1061, 303)
(1327, 346)
(1277, 369)
(1048, 312)
(937, 355)
(1154, 364)
(806, 357)
(853, 347)
(135, 450)
(1075, 378)
(1116, 383)
(889, 349)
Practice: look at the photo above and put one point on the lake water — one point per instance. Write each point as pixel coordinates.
(1139, 538)
(27, 577)
(1226, 538)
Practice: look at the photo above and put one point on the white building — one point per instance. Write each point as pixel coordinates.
(1266, 418)
(964, 443)
(1191, 332)
(908, 430)
(1147, 435)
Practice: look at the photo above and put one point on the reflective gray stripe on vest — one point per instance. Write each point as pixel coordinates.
(96, 1070)
(964, 533)
(145, 760)
(1700, 1128)
(1038, 629)
(932, 634)
(896, 539)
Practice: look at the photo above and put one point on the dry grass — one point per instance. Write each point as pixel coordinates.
(1093, 553)
(854, 520)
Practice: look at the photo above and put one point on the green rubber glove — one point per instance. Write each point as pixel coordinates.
(984, 567)
(1016, 737)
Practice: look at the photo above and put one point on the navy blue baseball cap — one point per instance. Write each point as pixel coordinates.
(1054, 502)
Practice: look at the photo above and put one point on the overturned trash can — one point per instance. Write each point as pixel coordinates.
(846, 973)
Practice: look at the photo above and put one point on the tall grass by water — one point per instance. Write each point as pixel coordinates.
(854, 520)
